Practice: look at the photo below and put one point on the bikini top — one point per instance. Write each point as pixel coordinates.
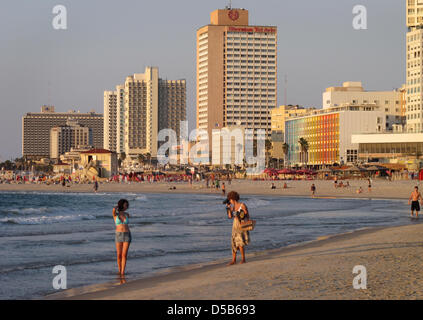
(119, 222)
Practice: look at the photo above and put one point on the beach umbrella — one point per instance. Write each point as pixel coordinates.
(285, 171)
(354, 169)
(373, 168)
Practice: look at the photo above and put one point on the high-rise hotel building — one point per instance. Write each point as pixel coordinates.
(114, 119)
(139, 109)
(36, 129)
(72, 135)
(414, 106)
(236, 72)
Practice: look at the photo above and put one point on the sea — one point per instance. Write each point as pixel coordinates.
(39, 231)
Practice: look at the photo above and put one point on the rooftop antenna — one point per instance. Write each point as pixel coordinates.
(49, 92)
(286, 89)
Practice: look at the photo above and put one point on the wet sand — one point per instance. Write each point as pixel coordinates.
(321, 269)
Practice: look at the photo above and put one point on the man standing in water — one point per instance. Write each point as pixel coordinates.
(95, 186)
(414, 201)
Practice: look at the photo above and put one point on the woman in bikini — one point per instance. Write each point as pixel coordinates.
(240, 238)
(123, 235)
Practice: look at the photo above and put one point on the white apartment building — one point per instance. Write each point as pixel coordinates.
(114, 119)
(353, 93)
(414, 112)
(141, 113)
(110, 120)
(136, 111)
(72, 135)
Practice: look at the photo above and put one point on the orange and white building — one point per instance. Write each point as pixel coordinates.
(236, 72)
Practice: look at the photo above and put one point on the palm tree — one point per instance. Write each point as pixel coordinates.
(285, 150)
(141, 159)
(268, 147)
(304, 150)
(148, 156)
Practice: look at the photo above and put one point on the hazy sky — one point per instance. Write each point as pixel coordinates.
(109, 40)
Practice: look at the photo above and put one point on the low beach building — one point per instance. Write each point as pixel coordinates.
(98, 163)
(328, 134)
(401, 148)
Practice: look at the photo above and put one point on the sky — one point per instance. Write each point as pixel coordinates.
(105, 41)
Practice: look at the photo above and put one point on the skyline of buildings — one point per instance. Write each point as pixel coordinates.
(36, 128)
(237, 86)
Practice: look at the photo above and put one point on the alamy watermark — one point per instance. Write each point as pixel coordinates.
(60, 20)
(60, 281)
(229, 147)
(360, 281)
(360, 17)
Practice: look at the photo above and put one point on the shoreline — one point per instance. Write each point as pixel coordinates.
(191, 282)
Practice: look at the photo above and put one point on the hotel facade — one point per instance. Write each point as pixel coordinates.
(236, 72)
(72, 135)
(136, 111)
(36, 129)
(114, 119)
(414, 74)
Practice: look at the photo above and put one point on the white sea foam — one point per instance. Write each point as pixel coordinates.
(46, 219)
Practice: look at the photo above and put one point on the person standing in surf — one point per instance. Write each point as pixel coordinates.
(313, 190)
(414, 201)
(123, 236)
(239, 212)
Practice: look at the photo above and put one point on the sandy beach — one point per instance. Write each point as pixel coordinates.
(381, 189)
(320, 269)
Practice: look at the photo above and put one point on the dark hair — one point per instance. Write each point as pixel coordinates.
(121, 204)
(233, 195)
(416, 187)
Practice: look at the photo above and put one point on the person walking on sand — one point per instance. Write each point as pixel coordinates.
(223, 189)
(123, 236)
(95, 186)
(370, 184)
(240, 238)
(414, 201)
(313, 190)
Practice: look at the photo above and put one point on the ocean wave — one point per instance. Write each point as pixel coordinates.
(141, 198)
(45, 219)
(26, 211)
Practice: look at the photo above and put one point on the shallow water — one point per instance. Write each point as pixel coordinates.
(41, 230)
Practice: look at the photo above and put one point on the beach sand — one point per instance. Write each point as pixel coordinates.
(380, 188)
(322, 269)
